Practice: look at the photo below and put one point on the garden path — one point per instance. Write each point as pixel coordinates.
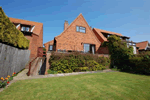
(22, 75)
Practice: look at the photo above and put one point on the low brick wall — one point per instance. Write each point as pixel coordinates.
(47, 61)
(103, 55)
(103, 50)
(12, 59)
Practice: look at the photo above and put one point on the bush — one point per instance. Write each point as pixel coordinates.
(76, 62)
(103, 61)
(92, 65)
(52, 72)
(140, 64)
(9, 34)
(80, 58)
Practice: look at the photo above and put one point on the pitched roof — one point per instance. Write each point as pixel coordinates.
(100, 34)
(38, 26)
(142, 45)
(100, 31)
(80, 15)
(49, 42)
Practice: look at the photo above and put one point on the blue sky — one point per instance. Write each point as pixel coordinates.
(128, 17)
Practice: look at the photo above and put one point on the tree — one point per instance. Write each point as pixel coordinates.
(119, 52)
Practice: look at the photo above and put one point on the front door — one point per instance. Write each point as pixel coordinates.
(93, 49)
(89, 48)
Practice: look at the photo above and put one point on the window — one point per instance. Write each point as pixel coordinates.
(24, 28)
(80, 29)
(51, 48)
(89, 48)
(86, 48)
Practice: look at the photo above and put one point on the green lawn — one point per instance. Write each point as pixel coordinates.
(97, 86)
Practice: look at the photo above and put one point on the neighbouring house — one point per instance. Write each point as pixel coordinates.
(143, 46)
(102, 35)
(79, 36)
(32, 31)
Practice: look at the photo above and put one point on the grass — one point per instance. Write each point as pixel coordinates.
(96, 86)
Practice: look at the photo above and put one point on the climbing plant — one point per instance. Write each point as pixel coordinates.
(119, 52)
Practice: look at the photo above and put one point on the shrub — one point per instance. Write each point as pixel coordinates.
(92, 65)
(9, 34)
(119, 52)
(79, 69)
(140, 64)
(73, 62)
(52, 72)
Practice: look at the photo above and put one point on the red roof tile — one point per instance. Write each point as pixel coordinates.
(100, 31)
(49, 42)
(142, 45)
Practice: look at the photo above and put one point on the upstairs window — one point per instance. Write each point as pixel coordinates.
(25, 28)
(80, 29)
(51, 48)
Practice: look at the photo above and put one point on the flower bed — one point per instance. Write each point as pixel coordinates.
(6, 81)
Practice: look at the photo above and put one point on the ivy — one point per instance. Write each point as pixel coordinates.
(119, 52)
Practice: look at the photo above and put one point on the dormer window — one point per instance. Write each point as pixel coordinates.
(80, 29)
(25, 28)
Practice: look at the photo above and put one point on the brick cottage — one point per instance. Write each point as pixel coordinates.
(33, 31)
(79, 36)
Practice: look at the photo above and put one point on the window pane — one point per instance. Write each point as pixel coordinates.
(82, 30)
(27, 28)
(86, 48)
(23, 29)
(77, 28)
(50, 47)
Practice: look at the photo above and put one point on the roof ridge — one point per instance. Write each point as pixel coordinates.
(26, 20)
(142, 41)
(68, 26)
(108, 31)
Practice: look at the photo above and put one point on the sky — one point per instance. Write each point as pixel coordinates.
(129, 17)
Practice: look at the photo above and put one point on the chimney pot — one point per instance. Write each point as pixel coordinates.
(66, 24)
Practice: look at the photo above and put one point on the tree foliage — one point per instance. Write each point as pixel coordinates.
(9, 34)
(119, 52)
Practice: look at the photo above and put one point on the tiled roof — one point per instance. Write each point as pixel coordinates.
(142, 45)
(109, 32)
(80, 15)
(38, 26)
(100, 34)
(100, 31)
(49, 42)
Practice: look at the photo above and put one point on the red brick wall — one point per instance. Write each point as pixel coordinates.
(29, 38)
(35, 42)
(98, 36)
(72, 40)
(40, 40)
(103, 50)
(47, 44)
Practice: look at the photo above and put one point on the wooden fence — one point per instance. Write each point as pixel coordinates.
(12, 59)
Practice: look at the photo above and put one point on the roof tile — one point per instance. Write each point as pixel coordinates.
(142, 45)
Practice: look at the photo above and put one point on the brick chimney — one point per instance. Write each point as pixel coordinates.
(66, 24)
(91, 27)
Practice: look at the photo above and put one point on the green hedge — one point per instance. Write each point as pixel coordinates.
(9, 34)
(76, 62)
(140, 64)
